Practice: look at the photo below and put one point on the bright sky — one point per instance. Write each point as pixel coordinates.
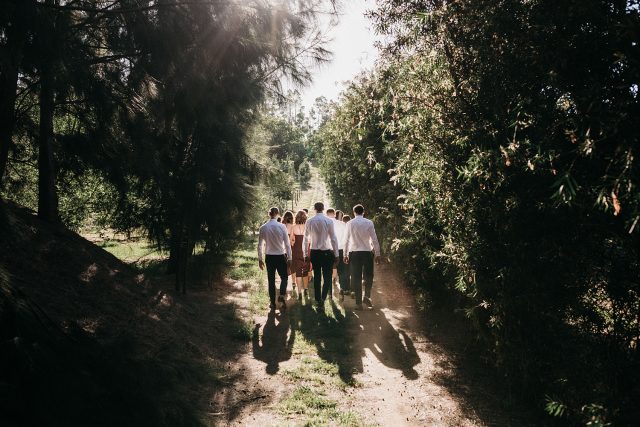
(353, 51)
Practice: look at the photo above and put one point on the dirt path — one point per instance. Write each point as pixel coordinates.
(388, 366)
(383, 366)
(317, 190)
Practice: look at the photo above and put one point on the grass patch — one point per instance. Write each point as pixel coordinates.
(152, 267)
(258, 298)
(233, 324)
(242, 331)
(131, 250)
(303, 346)
(317, 408)
(244, 267)
(335, 311)
(307, 400)
(313, 370)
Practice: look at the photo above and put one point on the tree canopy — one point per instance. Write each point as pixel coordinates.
(149, 101)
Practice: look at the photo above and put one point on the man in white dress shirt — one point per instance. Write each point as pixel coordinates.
(277, 247)
(343, 269)
(320, 234)
(361, 246)
(331, 213)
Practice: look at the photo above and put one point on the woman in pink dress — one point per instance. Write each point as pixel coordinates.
(287, 220)
(300, 267)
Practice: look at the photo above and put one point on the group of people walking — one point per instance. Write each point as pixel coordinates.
(327, 247)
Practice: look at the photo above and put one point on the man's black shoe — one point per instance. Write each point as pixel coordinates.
(367, 302)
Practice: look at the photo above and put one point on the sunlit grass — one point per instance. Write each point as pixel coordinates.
(335, 311)
(313, 370)
(131, 250)
(316, 380)
(317, 408)
(244, 267)
(302, 346)
(314, 192)
(309, 401)
(258, 298)
(136, 249)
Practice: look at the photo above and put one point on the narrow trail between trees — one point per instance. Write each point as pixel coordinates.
(390, 365)
(383, 366)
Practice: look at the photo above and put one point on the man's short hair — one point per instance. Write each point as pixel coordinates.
(358, 209)
(274, 211)
(339, 215)
(331, 211)
(319, 206)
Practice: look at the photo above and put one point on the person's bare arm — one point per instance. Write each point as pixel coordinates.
(376, 245)
(287, 246)
(306, 241)
(260, 243)
(347, 241)
(334, 245)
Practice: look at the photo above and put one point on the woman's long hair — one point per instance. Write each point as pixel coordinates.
(301, 217)
(287, 218)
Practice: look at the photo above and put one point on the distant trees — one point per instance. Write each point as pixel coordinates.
(504, 133)
(150, 99)
(278, 141)
(358, 152)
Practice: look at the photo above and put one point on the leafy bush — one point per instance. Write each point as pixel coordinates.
(505, 138)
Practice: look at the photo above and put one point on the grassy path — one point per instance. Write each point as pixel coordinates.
(338, 366)
(317, 192)
(391, 365)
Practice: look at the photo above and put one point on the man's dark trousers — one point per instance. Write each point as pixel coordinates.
(276, 263)
(361, 266)
(322, 269)
(343, 273)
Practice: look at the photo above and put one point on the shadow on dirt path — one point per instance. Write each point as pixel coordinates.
(276, 344)
(394, 367)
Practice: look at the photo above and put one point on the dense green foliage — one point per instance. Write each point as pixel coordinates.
(504, 132)
(278, 146)
(134, 114)
(358, 152)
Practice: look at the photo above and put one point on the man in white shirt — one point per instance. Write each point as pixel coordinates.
(277, 247)
(319, 233)
(343, 270)
(331, 214)
(361, 246)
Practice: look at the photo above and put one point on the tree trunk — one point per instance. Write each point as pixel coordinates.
(10, 59)
(47, 196)
(174, 248)
(183, 251)
(8, 86)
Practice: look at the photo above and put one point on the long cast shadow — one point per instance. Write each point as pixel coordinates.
(391, 346)
(274, 347)
(343, 338)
